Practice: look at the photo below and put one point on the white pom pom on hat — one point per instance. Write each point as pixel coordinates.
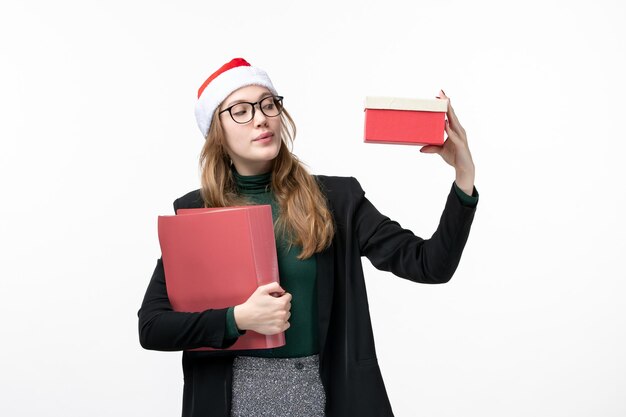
(231, 76)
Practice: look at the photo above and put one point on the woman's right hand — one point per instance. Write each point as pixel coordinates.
(267, 311)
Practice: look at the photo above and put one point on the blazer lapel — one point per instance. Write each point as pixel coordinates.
(324, 276)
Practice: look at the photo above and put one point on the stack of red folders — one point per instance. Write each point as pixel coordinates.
(216, 258)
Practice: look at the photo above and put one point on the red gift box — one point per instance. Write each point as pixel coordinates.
(405, 121)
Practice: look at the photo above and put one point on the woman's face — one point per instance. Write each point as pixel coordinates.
(251, 146)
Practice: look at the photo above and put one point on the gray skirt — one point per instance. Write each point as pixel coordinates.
(277, 387)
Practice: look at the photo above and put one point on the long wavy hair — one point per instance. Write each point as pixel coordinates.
(304, 215)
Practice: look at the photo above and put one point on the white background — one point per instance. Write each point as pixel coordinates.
(98, 138)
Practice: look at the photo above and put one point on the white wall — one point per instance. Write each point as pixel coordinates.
(98, 137)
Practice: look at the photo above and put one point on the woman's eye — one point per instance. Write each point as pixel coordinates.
(240, 113)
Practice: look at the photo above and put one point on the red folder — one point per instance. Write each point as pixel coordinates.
(216, 258)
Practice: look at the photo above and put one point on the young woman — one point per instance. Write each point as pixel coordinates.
(323, 226)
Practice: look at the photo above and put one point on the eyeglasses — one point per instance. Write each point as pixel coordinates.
(243, 112)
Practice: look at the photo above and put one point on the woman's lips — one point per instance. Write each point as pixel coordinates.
(264, 137)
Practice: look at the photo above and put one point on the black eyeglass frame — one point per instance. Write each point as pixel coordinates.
(280, 101)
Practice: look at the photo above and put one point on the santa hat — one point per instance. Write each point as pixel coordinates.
(231, 76)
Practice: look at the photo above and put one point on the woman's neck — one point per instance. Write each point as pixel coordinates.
(261, 167)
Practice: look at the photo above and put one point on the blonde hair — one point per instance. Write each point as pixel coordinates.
(304, 213)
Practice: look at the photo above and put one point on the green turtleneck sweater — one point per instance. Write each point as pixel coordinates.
(297, 277)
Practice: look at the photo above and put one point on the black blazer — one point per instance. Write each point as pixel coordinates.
(348, 365)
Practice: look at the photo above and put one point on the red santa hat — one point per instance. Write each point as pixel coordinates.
(231, 76)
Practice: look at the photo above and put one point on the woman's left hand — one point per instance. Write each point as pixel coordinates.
(455, 150)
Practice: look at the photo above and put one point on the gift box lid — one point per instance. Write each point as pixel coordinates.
(400, 103)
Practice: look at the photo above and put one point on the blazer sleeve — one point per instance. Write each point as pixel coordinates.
(162, 328)
(389, 247)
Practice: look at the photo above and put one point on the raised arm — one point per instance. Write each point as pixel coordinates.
(392, 248)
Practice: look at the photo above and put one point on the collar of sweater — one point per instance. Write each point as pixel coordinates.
(252, 184)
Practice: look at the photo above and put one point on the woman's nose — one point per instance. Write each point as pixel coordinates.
(259, 118)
